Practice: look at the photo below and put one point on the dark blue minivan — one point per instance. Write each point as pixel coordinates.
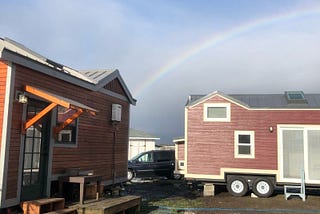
(150, 164)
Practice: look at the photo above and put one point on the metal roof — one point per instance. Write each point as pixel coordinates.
(178, 139)
(94, 80)
(97, 75)
(137, 134)
(273, 101)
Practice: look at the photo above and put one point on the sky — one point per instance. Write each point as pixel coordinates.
(167, 50)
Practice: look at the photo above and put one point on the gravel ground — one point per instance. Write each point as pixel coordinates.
(175, 196)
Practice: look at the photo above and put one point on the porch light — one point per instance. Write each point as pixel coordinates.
(271, 129)
(22, 98)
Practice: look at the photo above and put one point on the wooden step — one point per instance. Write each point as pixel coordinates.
(42, 205)
(64, 211)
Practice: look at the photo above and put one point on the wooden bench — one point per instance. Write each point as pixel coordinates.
(64, 211)
(124, 204)
(42, 205)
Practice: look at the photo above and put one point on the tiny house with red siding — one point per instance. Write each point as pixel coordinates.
(179, 156)
(252, 141)
(55, 120)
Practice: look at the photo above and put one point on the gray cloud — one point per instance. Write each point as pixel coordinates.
(140, 37)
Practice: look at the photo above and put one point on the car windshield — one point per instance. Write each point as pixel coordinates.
(136, 157)
(144, 157)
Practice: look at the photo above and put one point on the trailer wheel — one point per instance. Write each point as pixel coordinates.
(263, 187)
(237, 186)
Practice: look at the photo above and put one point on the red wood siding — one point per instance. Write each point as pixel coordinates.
(180, 151)
(211, 144)
(3, 78)
(95, 133)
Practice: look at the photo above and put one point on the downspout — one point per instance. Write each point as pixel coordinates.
(113, 156)
(115, 125)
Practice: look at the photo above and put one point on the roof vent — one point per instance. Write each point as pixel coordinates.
(54, 64)
(295, 97)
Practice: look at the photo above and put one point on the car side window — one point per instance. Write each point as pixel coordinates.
(148, 157)
(163, 156)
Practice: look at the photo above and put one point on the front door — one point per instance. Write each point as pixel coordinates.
(35, 156)
(300, 148)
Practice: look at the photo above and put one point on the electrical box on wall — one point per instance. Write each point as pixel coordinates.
(116, 112)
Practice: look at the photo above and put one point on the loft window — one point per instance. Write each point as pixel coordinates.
(295, 97)
(219, 112)
(244, 144)
(69, 133)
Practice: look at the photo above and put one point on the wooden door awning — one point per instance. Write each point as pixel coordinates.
(56, 100)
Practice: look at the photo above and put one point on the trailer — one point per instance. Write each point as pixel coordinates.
(251, 141)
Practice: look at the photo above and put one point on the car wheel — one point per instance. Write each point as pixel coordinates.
(263, 187)
(130, 174)
(170, 175)
(237, 186)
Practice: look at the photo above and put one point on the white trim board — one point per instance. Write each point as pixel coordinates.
(6, 128)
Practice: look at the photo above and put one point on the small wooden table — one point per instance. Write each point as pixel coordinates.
(82, 180)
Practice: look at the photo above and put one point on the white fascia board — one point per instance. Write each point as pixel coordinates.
(144, 138)
(178, 140)
(5, 139)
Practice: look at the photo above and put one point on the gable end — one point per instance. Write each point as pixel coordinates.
(115, 86)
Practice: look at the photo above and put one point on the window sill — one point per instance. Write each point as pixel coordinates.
(244, 156)
(65, 145)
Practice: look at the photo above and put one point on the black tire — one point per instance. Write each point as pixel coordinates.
(237, 186)
(170, 175)
(130, 174)
(263, 187)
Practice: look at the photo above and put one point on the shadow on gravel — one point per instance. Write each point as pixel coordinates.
(161, 196)
(154, 190)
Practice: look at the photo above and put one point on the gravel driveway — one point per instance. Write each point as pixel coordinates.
(175, 196)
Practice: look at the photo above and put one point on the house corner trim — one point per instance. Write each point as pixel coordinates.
(5, 140)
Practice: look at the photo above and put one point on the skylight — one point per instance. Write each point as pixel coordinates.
(295, 97)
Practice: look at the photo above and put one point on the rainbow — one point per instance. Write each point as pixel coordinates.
(220, 38)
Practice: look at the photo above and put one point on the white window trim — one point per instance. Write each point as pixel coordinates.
(236, 144)
(68, 132)
(208, 105)
(180, 163)
(66, 145)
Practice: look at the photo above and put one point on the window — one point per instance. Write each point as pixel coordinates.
(147, 157)
(219, 112)
(296, 97)
(293, 152)
(299, 147)
(180, 164)
(244, 144)
(69, 133)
